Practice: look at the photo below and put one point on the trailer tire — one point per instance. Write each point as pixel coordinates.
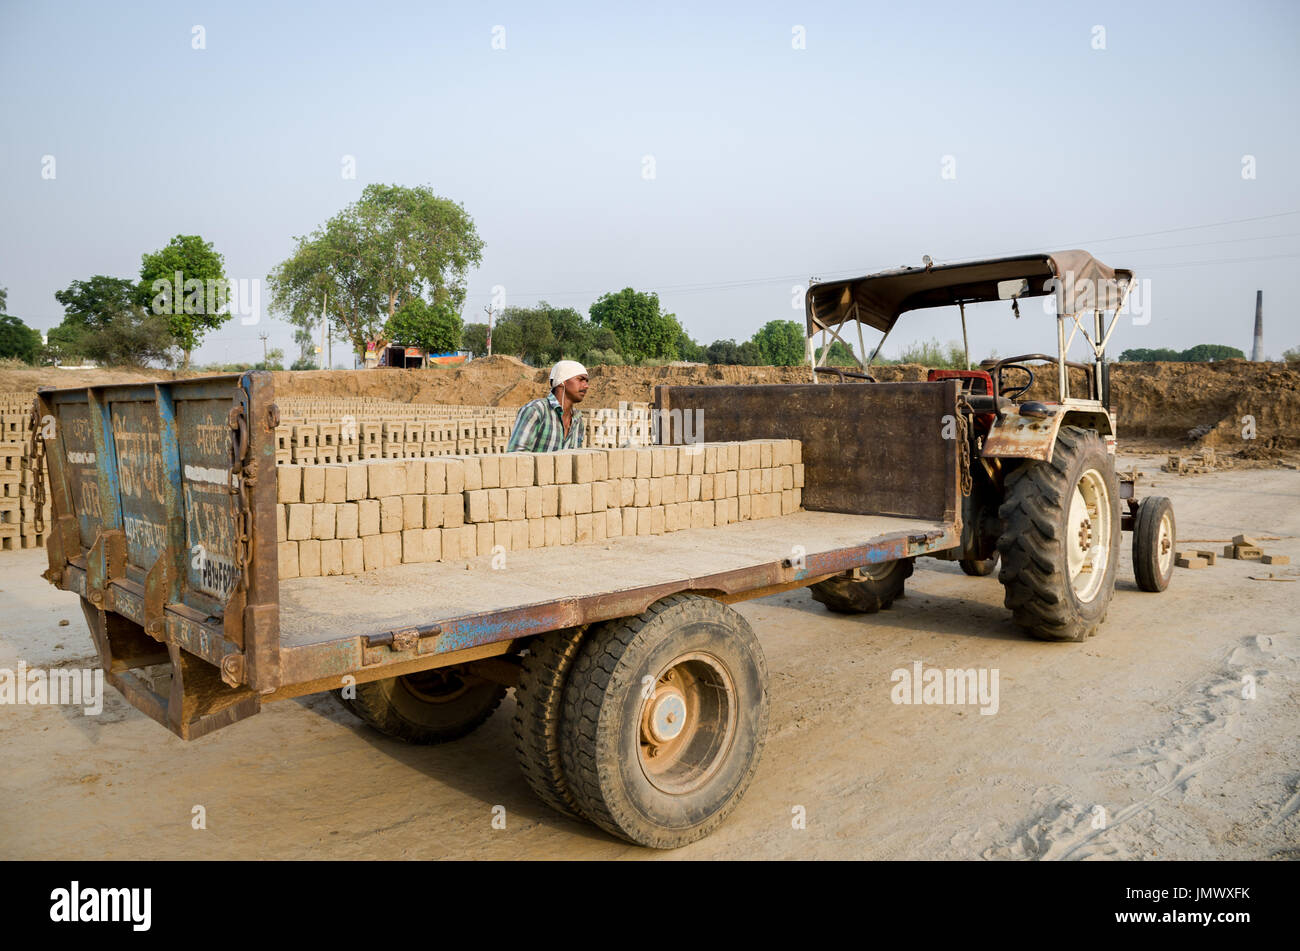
(1061, 536)
(1155, 539)
(539, 707)
(665, 719)
(432, 706)
(980, 567)
(875, 592)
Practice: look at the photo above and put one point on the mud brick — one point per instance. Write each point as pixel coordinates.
(468, 541)
(455, 473)
(706, 487)
(544, 469)
(550, 500)
(385, 478)
(626, 492)
(497, 504)
(336, 484)
(730, 458)
(392, 548)
(749, 455)
(502, 535)
(551, 524)
(667, 490)
(693, 486)
(322, 520)
(518, 534)
(584, 467)
(450, 544)
(536, 532)
(568, 499)
(287, 553)
(1209, 556)
(613, 523)
(299, 521)
(368, 517)
(658, 462)
(562, 464)
(476, 506)
(614, 464)
(435, 477)
(288, 483)
(282, 523)
(355, 481)
(726, 485)
(657, 519)
(641, 496)
(583, 498)
(412, 476)
(1229, 551)
(346, 520)
(630, 521)
(433, 544)
(505, 472)
(390, 514)
(412, 512)
(434, 506)
(485, 537)
(675, 519)
(1247, 552)
(533, 501)
(331, 557)
(798, 499)
(797, 470)
(1191, 562)
(710, 459)
(568, 529)
(744, 507)
(309, 558)
(525, 469)
(1246, 540)
(583, 528)
(644, 464)
(490, 471)
(765, 454)
(642, 521)
(449, 512)
(769, 481)
(1276, 559)
(353, 556)
(372, 551)
(787, 501)
(516, 503)
(313, 484)
(730, 509)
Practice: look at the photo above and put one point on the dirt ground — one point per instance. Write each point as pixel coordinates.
(1146, 721)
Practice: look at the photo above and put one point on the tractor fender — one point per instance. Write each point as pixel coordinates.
(1020, 437)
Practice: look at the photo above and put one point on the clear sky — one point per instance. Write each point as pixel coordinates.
(771, 163)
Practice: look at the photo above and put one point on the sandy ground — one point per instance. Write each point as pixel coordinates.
(1146, 721)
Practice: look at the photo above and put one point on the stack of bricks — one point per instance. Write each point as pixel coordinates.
(17, 498)
(331, 430)
(361, 516)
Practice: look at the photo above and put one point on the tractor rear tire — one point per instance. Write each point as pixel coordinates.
(876, 591)
(665, 718)
(1060, 543)
(539, 703)
(433, 706)
(1155, 538)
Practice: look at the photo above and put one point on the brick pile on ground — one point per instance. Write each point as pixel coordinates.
(17, 501)
(361, 516)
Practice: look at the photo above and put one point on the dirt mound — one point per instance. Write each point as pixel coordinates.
(1160, 402)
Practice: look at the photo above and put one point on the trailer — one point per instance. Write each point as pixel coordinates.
(641, 695)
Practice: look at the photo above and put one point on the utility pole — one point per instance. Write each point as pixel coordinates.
(324, 322)
(488, 308)
(262, 337)
(1257, 353)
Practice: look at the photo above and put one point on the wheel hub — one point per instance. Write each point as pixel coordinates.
(667, 715)
(687, 723)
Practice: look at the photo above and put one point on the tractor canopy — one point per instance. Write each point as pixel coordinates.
(1081, 283)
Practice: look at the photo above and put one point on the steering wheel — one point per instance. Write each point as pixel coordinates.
(1019, 391)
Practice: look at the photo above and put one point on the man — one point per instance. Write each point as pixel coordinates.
(552, 423)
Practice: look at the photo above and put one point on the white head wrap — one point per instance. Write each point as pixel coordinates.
(566, 370)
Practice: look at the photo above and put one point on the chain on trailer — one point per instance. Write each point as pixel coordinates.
(965, 413)
(36, 461)
(242, 477)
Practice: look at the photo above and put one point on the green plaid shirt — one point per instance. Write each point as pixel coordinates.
(539, 427)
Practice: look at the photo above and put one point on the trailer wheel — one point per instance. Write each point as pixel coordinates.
(979, 567)
(539, 699)
(665, 717)
(433, 706)
(877, 589)
(1155, 537)
(1060, 544)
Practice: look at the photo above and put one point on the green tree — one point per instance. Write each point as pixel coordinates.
(17, 340)
(572, 335)
(474, 339)
(723, 351)
(391, 245)
(1292, 355)
(274, 360)
(104, 321)
(4, 299)
(186, 282)
(643, 332)
(1204, 352)
(841, 355)
(1142, 355)
(508, 336)
(781, 343)
(748, 354)
(688, 349)
(432, 327)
